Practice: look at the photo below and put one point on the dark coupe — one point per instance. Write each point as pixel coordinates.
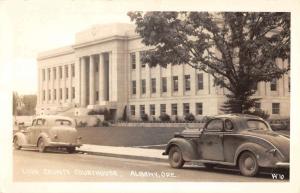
(235, 140)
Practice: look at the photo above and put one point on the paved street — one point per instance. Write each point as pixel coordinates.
(30, 165)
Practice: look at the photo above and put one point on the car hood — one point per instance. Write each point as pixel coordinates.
(281, 142)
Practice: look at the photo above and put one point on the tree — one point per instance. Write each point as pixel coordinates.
(15, 102)
(237, 48)
(29, 104)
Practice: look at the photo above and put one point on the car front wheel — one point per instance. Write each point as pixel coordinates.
(175, 157)
(16, 143)
(41, 145)
(248, 164)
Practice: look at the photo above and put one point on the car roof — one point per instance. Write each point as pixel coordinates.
(237, 115)
(53, 117)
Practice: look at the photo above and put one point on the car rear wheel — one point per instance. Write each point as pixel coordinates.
(41, 145)
(248, 164)
(16, 143)
(71, 149)
(175, 157)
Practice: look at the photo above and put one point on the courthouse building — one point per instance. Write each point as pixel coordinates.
(102, 69)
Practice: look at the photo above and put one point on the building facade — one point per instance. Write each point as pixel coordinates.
(102, 70)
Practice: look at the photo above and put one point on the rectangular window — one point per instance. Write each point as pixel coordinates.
(49, 73)
(73, 93)
(199, 108)
(133, 87)
(49, 94)
(174, 109)
(200, 81)
(67, 93)
(73, 69)
(43, 74)
(187, 82)
(273, 85)
(54, 73)
(175, 83)
(142, 109)
(60, 93)
(97, 95)
(153, 85)
(66, 71)
(186, 108)
(132, 110)
(133, 61)
(54, 94)
(143, 86)
(152, 109)
(60, 72)
(162, 109)
(44, 95)
(142, 53)
(276, 108)
(164, 84)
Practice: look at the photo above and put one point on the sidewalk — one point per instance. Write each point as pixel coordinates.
(124, 152)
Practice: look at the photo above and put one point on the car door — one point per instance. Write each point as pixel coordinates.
(36, 130)
(210, 144)
(30, 131)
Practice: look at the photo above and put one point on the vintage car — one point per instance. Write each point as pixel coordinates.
(245, 141)
(49, 131)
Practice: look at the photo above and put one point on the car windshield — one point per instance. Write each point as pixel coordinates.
(257, 125)
(63, 122)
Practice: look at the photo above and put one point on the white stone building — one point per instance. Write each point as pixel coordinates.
(102, 69)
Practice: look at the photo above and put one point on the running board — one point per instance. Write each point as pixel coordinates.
(213, 162)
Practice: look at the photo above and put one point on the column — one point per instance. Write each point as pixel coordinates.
(64, 80)
(83, 81)
(92, 81)
(102, 78)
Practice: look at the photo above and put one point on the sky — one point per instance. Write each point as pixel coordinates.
(36, 26)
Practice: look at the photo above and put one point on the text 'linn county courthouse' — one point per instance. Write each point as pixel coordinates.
(103, 70)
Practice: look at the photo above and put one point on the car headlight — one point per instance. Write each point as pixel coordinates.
(272, 151)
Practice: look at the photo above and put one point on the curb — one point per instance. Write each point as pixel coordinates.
(145, 158)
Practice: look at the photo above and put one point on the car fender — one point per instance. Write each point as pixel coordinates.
(187, 147)
(263, 158)
(45, 137)
(22, 138)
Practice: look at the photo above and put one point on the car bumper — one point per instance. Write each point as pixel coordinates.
(64, 144)
(282, 164)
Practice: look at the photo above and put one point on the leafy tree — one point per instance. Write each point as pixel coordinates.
(15, 102)
(29, 104)
(237, 48)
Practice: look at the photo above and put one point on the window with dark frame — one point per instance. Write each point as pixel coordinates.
(133, 87)
(199, 108)
(133, 60)
(73, 70)
(200, 81)
(164, 84)
(175, 83)
(152, 109)
(60, 72)
(67, 93)
(186, 108)
(132, 110)
(49, 94)
(187, 82)
(73, 93)
(49, 73)
(54, 94)
(153, 85)
(44, 95)
(142, 109)
(174, 109)
(276, 108)
(43, 75)
(60, 93)
(143, 85)
(273, 84)
(142, 53)
(162, 109)
(66, 71)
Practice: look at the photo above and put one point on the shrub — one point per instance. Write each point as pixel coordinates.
(94, 112)
(98, 123)
(164, 117)
(82, 124)
(189, 117)
(144, 117)
(105, 123)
